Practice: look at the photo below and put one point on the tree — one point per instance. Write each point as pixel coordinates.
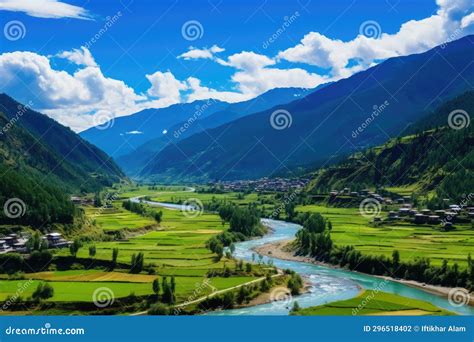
(137, 262)
(296, 307)
(75, 246)
(92, 251)
(232, 248)
(156, 287)
(295, 283)
(395, 261)
(248, 267)
(43, 291)
(115, 253)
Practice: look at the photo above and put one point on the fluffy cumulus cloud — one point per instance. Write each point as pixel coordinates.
(45, 9)
(84, 97)
(413, 37)
(73, 99)
(80, 56)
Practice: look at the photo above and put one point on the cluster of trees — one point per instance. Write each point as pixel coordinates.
(167, 290)
(43, 291)
(140, 209)
(137, 263)
(295, 283)
(315, 240)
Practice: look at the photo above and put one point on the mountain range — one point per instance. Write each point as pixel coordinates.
(363, 110)
(434, 157)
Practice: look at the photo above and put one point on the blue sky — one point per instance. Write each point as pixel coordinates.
(143, 59)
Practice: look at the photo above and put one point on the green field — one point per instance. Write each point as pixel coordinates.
(350, 228)
(375, 303)
(117, 218)
(82, 291)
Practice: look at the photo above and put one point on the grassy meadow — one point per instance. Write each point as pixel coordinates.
(350, 228)
(371, 303)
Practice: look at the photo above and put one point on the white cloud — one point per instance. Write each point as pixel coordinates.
(45, 9)
(72, 99)
(166, 87)
(413, 36)
(134, 132)
(80, 56)
(194, 53)
(199, 92)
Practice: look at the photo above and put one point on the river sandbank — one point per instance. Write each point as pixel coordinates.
(280, 250)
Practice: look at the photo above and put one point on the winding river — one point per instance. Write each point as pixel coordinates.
(327, 284)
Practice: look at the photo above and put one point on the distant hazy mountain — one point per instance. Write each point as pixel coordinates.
(363, 110)
(31, 141)
(124, 134)
(204, 118)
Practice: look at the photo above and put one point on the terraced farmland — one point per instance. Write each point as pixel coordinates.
(350, 228)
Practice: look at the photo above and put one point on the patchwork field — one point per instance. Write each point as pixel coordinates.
(83, 291)
(371, 303)
(117, 218)
(350, 228)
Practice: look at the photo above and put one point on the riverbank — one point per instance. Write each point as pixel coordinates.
(280, 250)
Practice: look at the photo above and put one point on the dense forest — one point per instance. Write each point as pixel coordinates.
(41, 164)
(438, 159)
